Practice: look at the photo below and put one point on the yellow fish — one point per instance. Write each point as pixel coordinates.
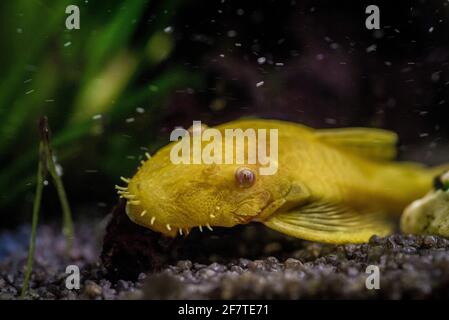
(331, 185)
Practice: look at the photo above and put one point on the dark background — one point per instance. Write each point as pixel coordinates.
(198, 60)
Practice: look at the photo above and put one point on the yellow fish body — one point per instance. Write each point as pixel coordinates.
(331, 185)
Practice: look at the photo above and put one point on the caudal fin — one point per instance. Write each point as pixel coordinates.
(438, 170)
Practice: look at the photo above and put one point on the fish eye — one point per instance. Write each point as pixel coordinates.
(245, 177)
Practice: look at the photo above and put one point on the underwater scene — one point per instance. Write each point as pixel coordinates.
(224, 150)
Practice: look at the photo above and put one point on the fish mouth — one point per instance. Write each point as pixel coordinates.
(173, 230)
(150, 220)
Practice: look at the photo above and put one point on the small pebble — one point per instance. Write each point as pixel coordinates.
(92, 289)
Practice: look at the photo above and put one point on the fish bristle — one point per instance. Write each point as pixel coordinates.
(126, 180)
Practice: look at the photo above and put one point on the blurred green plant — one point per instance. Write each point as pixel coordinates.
(87, 81)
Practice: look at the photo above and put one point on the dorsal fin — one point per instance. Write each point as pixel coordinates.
(375, 144)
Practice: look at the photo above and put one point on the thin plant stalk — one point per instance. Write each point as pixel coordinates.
(67, 220)
(47, 164)
(40, 177)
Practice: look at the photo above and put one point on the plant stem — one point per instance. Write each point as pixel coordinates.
(46, 164)
(41, 172)
(67, 221)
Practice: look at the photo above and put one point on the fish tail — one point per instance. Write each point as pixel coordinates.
(422, 177)
(434, 173)
(408, 181)
(438, 170)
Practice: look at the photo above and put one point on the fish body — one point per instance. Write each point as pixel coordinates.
(331, 185)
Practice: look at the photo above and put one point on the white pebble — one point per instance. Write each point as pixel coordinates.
(232, 33)
(371, 48)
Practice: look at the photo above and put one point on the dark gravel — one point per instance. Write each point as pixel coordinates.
(240, 263)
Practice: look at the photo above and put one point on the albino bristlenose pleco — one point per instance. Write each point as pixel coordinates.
(331, 185)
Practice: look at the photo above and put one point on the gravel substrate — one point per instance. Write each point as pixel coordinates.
(239, 263)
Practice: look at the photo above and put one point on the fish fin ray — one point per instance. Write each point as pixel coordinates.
(330, 222)
(377, 144)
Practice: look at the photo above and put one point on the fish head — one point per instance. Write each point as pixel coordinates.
(174, 198)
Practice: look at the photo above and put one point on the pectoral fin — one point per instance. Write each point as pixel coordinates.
(328, 222)
(367, 142)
